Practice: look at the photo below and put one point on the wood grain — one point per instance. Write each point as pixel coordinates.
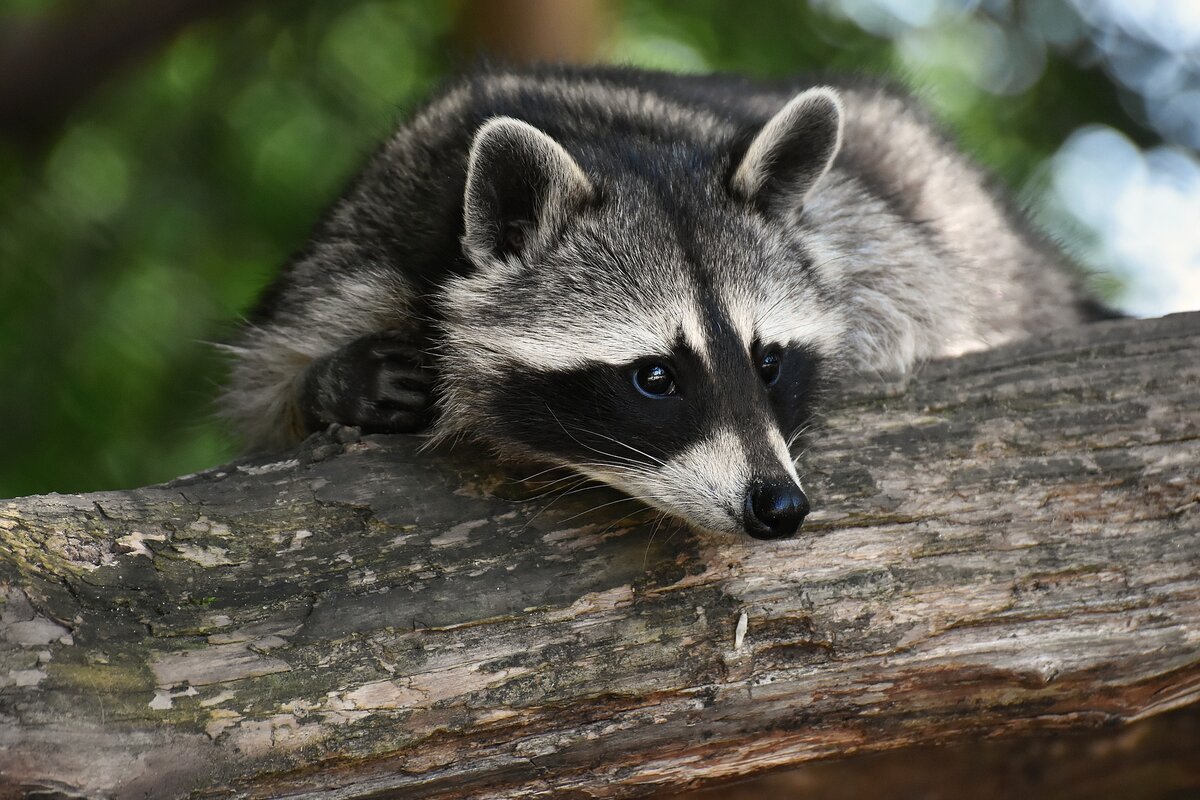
(1005, 543)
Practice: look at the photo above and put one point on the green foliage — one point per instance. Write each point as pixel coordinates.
(134, 239)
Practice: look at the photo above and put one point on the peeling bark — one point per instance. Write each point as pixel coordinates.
(1006, 543)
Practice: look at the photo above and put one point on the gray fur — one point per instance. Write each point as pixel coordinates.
(880, 248)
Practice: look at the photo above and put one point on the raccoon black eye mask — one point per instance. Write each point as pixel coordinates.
(649, 278)
(657, 380)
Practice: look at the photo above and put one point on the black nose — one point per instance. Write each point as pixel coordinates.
(775, 509)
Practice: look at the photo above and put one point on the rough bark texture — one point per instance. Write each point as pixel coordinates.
(1007, 543)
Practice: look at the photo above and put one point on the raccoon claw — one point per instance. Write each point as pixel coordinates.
(378, 383)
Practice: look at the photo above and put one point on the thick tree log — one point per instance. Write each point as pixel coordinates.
(1007, 543)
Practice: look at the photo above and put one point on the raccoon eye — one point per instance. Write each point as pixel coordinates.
(654, 380)
(768, 368)
(512, 238)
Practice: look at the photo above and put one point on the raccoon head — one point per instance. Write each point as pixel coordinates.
(648, 313)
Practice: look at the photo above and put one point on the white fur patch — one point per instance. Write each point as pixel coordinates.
(705, 485)
(788, 311)
(692, 325)
(808, 326)
(606, 331)
(781, 452)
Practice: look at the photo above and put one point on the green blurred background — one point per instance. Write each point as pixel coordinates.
(139, 217)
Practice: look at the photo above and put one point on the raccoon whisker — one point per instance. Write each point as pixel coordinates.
(662, 517)
(658, 461)
(544, 484)
(589, 447)
(620, 469)
(581, 487)
(528, 478)
(798, 457)
(630, 468)
(618, 460)
(554, 486)
(655, 459)
(635, 512)
(617, 522)
(815, 427)
(796, 436)
(575, 439)
(569, 490)
(678, 528)
(594, 509)
(575, 488)
(605, 484)
(640, 498)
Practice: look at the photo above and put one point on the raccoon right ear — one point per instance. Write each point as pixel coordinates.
(521, 184)
(791, 153)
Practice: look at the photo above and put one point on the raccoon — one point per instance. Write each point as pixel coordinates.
(648, 278)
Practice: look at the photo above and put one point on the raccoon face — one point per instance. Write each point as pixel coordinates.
(659, 326)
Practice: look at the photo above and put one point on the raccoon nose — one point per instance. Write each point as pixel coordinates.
(774, 510)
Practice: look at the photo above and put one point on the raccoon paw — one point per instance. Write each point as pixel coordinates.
(379, 383)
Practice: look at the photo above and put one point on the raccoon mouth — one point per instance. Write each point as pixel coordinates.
(770, 509)
(766, 509)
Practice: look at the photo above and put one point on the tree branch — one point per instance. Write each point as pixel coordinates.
(1006, 544)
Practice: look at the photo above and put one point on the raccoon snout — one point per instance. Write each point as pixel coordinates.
(774, 509)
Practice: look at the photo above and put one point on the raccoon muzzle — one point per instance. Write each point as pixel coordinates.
(774, 509)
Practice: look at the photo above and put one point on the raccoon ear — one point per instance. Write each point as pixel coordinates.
(792, 152)
(520, 185)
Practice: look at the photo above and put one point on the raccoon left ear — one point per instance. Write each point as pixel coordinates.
(521, 183)
(792, 152)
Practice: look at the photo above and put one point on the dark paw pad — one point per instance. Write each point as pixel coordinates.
(379, 383)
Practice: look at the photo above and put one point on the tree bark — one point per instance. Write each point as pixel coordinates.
(1006, 543)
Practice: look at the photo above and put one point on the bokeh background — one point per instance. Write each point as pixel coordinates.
(160, 158)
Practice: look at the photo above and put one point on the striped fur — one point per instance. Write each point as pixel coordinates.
(540, 233)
